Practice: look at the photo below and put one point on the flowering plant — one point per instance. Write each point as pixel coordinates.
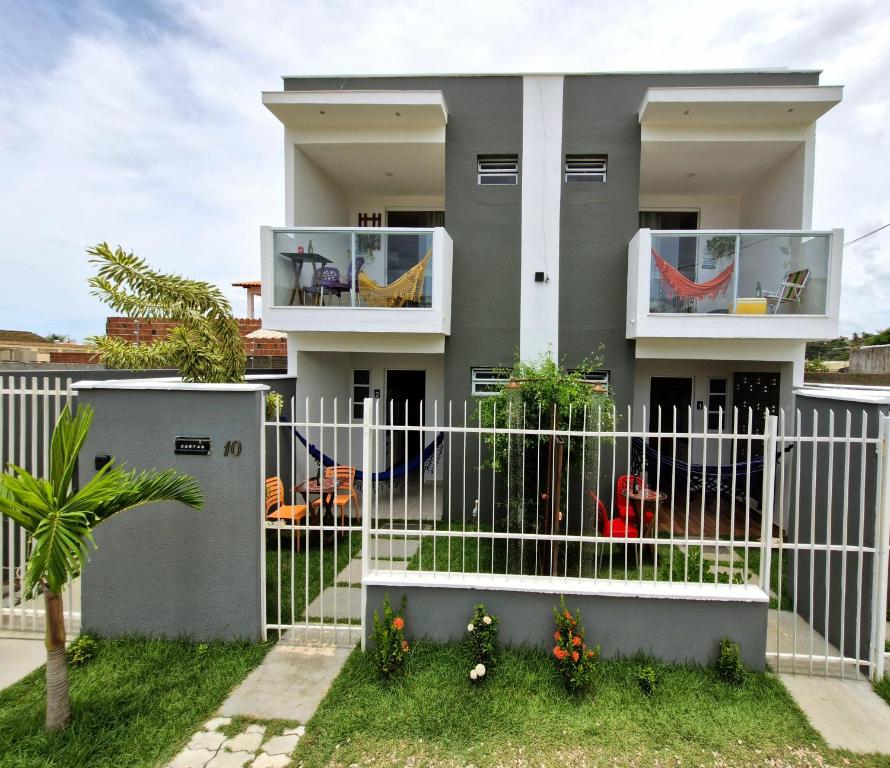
(575, 662)
(390, 645)
(482, 643)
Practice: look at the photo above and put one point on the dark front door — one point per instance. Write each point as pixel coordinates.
(759, 393)
(405, 392)
(666, 393)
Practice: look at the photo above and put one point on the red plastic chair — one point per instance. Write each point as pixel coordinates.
(613, 527)
(624, 506)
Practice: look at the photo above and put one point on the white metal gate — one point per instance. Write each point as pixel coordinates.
(29, 409)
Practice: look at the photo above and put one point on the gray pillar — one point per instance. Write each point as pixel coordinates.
(164, 569)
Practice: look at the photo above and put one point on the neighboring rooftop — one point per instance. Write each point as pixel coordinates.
(22, 337)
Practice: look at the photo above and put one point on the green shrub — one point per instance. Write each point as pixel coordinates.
(82, 650)
(274, 405)
(390, 645)
(482, 643)
(729, 666)
(575, 662)
(646, 679)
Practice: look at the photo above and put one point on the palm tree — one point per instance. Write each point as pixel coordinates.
(60, 521)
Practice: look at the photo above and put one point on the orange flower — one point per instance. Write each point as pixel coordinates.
(556, 635)
(398, 623)
(575, 656)
(405, 646)
(559, 653)
(567, 615)
(590, 654)
(576, 641)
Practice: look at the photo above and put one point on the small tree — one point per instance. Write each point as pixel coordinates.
(543, 395)
(205, 345)
(59, 522)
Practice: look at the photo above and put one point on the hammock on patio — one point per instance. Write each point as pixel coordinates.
(408, 287)
(399, 470)
(709, 476)
(676, 284)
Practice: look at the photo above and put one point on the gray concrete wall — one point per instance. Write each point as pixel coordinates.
(817, 521)
(675, 630)
(166, 570)
(874, 359)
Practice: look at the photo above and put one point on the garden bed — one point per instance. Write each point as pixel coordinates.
(135, 704)
(523, 716)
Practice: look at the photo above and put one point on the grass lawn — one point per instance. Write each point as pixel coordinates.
(321, 559)
(523, 717)
(135, 704)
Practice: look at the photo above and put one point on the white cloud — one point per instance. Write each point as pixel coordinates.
(147, 129)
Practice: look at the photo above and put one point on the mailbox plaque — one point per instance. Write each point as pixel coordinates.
(195, 446)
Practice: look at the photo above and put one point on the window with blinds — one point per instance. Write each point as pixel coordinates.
(586, 168)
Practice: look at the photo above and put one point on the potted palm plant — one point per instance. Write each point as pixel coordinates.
(59, 521)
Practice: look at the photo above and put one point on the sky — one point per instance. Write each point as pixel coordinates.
(140, 123)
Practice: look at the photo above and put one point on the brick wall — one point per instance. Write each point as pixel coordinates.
(147, 331)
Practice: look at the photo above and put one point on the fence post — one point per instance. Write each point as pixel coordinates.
(367, 491)
(882, 549)
(770, 439)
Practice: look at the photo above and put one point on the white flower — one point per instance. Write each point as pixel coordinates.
(479, 669)
(470, 627)
(473, 674)
(486, 619)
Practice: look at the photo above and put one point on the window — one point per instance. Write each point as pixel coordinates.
(585, 168)
(716, 401)
(488, 381)
(497, 169)
(361, 388)
(599, 379)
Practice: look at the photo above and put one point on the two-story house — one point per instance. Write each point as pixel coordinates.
(436, 226)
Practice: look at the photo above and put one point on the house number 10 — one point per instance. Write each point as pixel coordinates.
(233, 448)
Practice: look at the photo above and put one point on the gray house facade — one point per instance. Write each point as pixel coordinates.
(665, 218)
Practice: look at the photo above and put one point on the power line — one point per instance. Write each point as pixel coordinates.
(867, 234)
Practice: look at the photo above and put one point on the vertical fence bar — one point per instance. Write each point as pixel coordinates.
(882, 532)
(367, 469)
(769, 489)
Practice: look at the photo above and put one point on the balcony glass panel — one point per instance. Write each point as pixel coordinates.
(739, 273)
(382, 268)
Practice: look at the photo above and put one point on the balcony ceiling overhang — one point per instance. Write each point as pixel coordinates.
(319, 110)
(738, 106)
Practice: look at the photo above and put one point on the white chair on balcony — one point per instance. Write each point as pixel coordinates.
(789, 292)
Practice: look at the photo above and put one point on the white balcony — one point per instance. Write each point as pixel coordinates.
(743, 284)
(330, 280)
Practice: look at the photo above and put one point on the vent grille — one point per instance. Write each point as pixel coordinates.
(497, 169)
(586, 168)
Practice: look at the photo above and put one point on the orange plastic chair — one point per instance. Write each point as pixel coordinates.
(345, 481)
(276, 510)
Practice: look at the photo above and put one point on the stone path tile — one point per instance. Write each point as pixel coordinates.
(209, 747)
(384, 548)
(352, 573)
(341, 603)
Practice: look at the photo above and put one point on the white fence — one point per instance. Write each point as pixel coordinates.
(29, 409)
(793, 510)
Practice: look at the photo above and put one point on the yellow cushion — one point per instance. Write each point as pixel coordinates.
(750, 307)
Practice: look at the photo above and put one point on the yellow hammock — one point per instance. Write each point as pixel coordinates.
(408, 287)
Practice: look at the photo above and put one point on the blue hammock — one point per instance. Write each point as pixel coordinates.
(400, 470)
(709, 476)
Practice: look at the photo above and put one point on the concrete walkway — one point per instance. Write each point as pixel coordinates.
(848, 713)
(20, 654)
(289, 684)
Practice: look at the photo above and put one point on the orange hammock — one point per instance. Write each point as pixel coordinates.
(675, 284)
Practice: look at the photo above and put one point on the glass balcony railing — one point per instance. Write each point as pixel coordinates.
(383, 268)
(739, 273)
